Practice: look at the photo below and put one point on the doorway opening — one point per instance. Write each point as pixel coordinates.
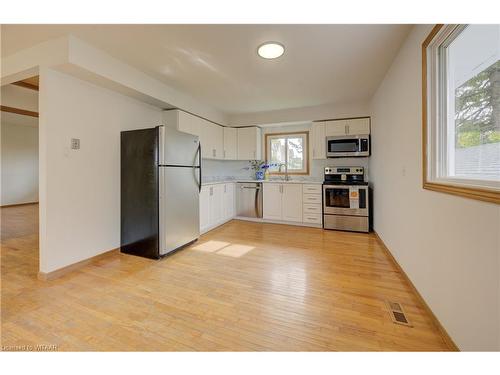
(19, 186)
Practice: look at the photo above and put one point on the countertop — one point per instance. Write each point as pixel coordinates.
(225, 181)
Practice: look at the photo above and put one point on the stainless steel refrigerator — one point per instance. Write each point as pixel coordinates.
(160, 186)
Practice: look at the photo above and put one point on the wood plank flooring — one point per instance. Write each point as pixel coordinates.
(242, 287)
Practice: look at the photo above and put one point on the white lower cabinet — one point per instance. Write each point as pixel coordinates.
(216, 192)
(282, 202)
(228, 202)
(312, 199)
(204, 208)
(272, 201)
(292, 202)
(217, 205)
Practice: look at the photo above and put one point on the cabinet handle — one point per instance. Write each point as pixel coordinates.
(224, 154)
(214, 152)
(345, 129)
(348, 130)
(211, 191)
(314, 152)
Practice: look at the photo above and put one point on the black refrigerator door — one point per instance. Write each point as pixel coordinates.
(139, 193)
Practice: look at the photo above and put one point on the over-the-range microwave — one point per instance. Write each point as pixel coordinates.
(348, 146)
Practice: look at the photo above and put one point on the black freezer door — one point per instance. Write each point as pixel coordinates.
(139, 193)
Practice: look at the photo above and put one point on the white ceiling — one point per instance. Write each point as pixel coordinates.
(218, 64)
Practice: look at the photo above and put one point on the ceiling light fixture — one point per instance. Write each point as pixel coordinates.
(271, 50)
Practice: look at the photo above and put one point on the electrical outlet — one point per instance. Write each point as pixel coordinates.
(75, 143)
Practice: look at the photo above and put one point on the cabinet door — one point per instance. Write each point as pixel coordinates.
(318, 140)
(272, 201)
(204, 207)
(206, 140)
(218, 140)
(182, 121)
(230, 143)
(336, 127)
(211, 140)
(292, 202)
(188, 123)
(358, 126)
(229, 202)
(217, 192)
(249, 143)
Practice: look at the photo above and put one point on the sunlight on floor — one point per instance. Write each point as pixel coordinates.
(223, 248)
(210, 246)
(235, 250)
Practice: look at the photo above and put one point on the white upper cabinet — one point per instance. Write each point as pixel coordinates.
(230, 144)
(335, 127)
(249, 143)
(348, 127)
(358, 126)
(212, 140)
(182, 121)
(211, 135)
(318, 138)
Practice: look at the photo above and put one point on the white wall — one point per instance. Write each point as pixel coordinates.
(80, 189)
(449, 246)
(19, 163)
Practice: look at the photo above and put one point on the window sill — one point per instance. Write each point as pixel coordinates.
(481, 194)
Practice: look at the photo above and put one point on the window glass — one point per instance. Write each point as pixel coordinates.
(289, 149)
(473, 104)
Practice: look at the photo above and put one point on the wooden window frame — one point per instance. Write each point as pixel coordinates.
(303, 132)
(482, 194)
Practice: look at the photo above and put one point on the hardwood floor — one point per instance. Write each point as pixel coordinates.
(242, 287)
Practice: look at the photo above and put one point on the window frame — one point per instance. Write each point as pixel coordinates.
(434, 133)
(286, 135)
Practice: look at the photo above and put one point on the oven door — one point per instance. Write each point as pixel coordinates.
(345, 200)
(351, 145)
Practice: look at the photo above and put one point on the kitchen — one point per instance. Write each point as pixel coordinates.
(203, 196)
(334, 200)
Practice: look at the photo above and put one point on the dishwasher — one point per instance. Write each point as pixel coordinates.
(249, 199)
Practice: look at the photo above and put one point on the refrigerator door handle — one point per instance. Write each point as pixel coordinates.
(199, 166)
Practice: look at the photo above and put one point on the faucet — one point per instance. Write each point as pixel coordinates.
(287, 178)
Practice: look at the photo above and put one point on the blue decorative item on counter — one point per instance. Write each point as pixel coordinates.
(259, 175)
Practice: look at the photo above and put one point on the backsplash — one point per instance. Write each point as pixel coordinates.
(318, 166)
(225, 169)
(214, 170)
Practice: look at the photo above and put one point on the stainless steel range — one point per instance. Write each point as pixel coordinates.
(346, 199)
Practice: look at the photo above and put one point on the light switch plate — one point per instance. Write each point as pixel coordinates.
(75, 143)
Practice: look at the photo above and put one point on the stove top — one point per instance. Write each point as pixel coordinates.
(345, 176)
(346, 183)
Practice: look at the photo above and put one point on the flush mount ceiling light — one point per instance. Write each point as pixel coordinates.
(271, 50)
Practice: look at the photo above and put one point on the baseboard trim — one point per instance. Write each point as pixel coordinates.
(267, 221)
(446, 337)
(18, 204)
(47, 276)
